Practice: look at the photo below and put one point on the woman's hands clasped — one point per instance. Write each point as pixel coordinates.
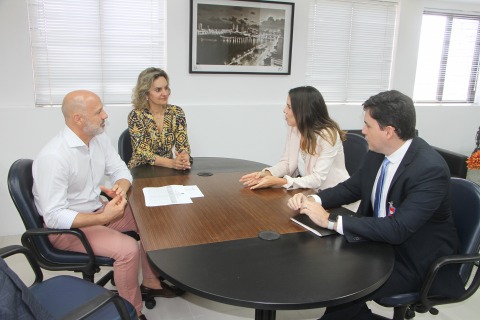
(262, 179)
(181, 161)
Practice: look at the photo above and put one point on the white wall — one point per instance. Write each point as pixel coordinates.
(238, 116)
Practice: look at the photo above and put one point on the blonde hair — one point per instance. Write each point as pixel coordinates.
(144, 82)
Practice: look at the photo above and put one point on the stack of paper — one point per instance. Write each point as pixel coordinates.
(173, 194)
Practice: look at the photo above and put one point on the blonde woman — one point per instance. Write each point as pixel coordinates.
(157, 128)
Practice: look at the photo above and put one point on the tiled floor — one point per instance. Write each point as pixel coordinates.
(191, 307)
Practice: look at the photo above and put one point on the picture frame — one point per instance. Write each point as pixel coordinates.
(241, 36)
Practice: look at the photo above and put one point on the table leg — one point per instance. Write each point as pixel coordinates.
(265, 314)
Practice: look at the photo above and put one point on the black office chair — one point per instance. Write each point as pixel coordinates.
(355, 148)
(465, 198)
(457, 162)
(35, 238)
(125, 146)
(60, 297)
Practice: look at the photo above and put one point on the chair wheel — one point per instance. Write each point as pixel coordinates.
(150, 303)
(409, 314)
(433, 311)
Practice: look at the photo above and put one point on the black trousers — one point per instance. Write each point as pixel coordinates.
(398, 282)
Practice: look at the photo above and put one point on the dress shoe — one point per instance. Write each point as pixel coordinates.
(175, 289)
(165, 292)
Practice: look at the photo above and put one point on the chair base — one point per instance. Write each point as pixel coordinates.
(150, 301)
(399, 313)
(106, 278)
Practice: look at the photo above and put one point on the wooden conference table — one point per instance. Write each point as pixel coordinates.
(212, 247)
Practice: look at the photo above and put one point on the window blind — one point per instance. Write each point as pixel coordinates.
(98, 45)
(448, 57)
(349, 50)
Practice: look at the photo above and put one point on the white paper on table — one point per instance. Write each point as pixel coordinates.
(162, 196)
(193, 192)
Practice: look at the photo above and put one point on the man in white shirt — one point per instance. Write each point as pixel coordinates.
(68, 175)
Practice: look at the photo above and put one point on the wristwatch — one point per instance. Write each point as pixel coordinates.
(332, 219)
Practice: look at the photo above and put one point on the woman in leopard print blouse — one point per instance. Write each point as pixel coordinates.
(157, 127)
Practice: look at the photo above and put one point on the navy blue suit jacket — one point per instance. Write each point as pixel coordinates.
(421, 228)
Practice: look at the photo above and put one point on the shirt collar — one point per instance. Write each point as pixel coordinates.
(398, 155)
(72, 139)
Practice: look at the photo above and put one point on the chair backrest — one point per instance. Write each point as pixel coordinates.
(125, 146)
(17, 300)
(20, 183)
(355, 148)
(465, 203)
(457, 162)
(59, 297)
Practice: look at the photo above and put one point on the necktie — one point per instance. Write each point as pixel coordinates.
(378, 190)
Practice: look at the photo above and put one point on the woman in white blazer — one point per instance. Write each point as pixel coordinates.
(313, 156)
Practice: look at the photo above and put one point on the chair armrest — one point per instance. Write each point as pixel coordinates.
(432, 273)
(96, 304)
(104, 195)
(27, 241)
(16, 249)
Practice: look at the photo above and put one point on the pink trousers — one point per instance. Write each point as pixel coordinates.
(109, 241)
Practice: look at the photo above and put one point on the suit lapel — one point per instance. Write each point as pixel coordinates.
(406, 161)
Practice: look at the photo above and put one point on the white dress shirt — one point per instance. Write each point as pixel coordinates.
(67, 176)
(395, 159)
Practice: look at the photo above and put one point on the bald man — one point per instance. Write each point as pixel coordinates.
(68, 174)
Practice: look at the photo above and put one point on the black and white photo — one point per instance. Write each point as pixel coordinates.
(240, 36)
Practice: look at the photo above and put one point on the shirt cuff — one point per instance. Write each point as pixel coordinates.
(340, 225)
(339, 220)
(289, 183)
(316, 198)
(63, 219)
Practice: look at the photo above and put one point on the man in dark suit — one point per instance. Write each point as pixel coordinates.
(407, 205)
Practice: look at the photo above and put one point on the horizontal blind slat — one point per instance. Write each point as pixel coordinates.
(99, 45)
(350, 45)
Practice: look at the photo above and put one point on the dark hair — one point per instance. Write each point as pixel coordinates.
(393, 108)
(311, 116)
(144, 82)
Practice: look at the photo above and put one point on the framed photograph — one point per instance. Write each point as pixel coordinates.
(232, 36)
